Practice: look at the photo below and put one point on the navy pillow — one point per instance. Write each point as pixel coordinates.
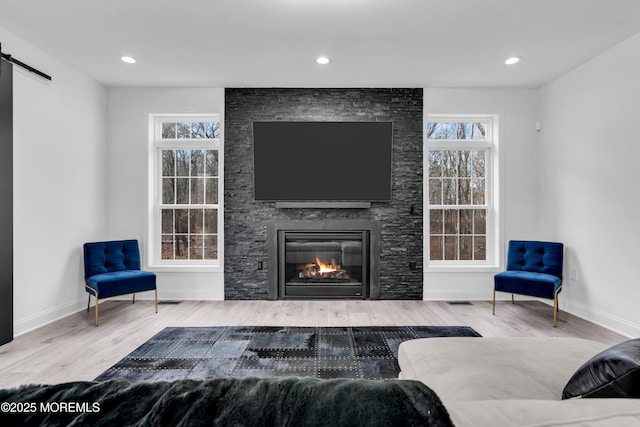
(615, 372)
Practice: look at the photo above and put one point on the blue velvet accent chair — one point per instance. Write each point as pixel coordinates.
(534, 268)
(113, 268)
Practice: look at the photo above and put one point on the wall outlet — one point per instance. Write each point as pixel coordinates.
(573, 274)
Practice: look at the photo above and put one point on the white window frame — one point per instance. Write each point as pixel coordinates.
(156, 145)
(492, 182)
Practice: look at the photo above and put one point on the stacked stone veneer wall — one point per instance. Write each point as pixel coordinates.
(401, 219)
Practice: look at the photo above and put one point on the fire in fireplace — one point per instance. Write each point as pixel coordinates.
(322, 270)
(317, 259)
(324, 264)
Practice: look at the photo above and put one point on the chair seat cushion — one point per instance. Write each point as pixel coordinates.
(539, 285)
(121, 282)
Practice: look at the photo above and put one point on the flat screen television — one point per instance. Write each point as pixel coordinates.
(322, 161)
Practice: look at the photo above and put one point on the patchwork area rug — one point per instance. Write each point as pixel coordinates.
(273, 351)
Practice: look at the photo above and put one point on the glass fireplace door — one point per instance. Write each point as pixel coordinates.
(323, 264)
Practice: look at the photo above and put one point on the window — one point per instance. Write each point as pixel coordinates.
(460, 174)
(186, 181)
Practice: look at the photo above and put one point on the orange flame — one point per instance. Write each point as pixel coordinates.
(325, 268)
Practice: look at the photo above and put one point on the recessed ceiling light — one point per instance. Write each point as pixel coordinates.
(323, 60)
(512, 60)
(128, 60)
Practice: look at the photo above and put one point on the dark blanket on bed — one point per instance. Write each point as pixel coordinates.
(226, 401)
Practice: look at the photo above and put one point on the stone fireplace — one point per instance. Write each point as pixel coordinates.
(249, 250)
(323, 259)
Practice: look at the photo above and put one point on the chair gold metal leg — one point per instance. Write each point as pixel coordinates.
(134, 299)
(156, 299)
(494, 303)
(88, 303)
(555, 310)
(513, 299)
(96, 311)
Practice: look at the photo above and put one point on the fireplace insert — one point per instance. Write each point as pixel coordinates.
(323, 264)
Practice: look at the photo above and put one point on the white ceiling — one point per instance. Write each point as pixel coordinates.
(274, 43)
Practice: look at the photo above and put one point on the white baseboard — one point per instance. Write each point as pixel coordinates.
(34, 321)
(189, 295)
(607, 320)
(174, 295)
(467, 295)
(455, 295)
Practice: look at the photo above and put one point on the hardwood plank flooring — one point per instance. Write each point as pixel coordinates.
(73, 349)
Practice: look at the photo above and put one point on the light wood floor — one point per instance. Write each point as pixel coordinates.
(73, 349)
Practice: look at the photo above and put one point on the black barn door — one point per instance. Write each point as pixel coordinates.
(6, 201)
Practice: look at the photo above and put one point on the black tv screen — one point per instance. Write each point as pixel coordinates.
(322, 161)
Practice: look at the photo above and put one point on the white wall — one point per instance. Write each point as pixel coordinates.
(518, 111)
(59, 183)
(589, 198)
(128, 172)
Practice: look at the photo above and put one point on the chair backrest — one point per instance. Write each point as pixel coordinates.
(115, 255)
(535, 256)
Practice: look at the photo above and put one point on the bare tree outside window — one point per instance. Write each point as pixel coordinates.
(188, 199)
(458, 202)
